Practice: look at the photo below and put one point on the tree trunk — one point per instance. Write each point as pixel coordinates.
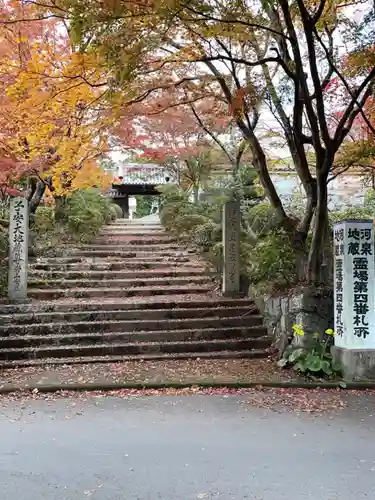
(312, 195)
(196, 194)
(260, 165)
(60, 208)
(315, 270)
(36, 196)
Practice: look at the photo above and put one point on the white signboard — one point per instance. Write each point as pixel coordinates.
(354, 284)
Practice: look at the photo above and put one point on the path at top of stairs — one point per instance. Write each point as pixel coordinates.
(132, 294)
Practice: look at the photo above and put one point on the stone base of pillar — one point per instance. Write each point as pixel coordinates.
(16, 301)
(356, 363)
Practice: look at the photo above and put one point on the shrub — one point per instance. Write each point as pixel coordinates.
(369, 201)
(45, 234)
(270, 259)
(273, 260)
(113, 211)
(364, 212)
(206, 234)
(87, 211)
(144, 205)
(262, 219)
(174, 204)
(117, 208)
(44, 218)
(187, 224)
(80, 218)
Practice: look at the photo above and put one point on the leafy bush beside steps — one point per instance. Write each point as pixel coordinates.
(314, 359)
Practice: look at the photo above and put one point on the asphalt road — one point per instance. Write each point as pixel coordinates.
(182, 448)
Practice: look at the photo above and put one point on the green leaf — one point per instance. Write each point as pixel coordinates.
(318, 350)
(296, 354)
(342, 384)
(326, 367)
(288, 351)
(300, 367)
(336, 366)
(313, 363)
(282, 362)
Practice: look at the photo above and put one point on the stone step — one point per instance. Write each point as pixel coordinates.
(19, 342)
(127, 314)
(170, 303)
(127, 349)
(130, 325)
(127, 235)
(245, 354)
(78, 259)
(135, 232)
(134, 240)
(136, 235)
(135, 223)
(120, 274)
(132, 247)
(52, 294)
(134, 227)
(118, 283)
(127, 253)
(114, 265)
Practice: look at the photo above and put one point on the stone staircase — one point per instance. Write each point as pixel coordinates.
(134, 294)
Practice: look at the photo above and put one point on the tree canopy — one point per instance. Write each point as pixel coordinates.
(299, 73)
(52, 119)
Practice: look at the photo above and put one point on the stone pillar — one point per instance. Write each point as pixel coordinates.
(354, 298)
(18, 249)
(231, 248)
(132, 206)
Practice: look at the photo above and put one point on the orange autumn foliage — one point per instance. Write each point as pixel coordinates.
(50, 119)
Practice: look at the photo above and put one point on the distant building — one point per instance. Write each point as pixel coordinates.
(143, 173)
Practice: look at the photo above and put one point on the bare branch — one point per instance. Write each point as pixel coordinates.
(319, 12)
(331, 66)
(344, 82)
(207, 17)
(211, 134)
(320, 105)
(351, 112)
(302, 95)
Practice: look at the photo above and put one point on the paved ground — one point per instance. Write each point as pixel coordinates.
(182, 448)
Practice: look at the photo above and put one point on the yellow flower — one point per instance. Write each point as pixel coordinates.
(329, 331)
(298, 330)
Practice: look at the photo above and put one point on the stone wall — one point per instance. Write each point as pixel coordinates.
(312, 309)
